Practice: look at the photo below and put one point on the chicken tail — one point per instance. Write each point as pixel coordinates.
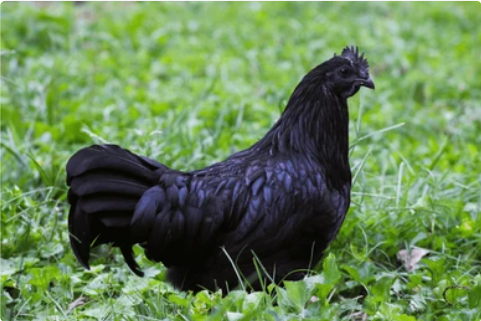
(106, 182)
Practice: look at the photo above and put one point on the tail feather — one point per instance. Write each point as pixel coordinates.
(93, 185)
(101, 203)
(116, 219)
(129, 259)
(79, 228)
(110, 157)
(106, 182)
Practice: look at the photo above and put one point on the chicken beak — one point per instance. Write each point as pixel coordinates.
(367, 83)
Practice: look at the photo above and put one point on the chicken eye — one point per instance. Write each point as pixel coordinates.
(345, 71)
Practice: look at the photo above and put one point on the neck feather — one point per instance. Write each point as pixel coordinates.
(315, 123)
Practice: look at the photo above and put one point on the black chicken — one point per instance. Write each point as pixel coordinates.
(281, 201)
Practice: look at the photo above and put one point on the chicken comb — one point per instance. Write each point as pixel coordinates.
(352, 54)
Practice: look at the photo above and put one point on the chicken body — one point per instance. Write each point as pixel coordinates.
(281, 202)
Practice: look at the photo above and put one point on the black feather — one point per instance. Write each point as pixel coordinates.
(129, 259)
(105, 182)
(146, 211)
(352, 54)
(284, 198)
(80, 238)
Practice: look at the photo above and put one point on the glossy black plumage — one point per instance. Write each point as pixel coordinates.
(283, 199)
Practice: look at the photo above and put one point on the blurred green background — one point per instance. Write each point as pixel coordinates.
(190, 83)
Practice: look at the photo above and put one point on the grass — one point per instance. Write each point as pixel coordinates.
(188, 84)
